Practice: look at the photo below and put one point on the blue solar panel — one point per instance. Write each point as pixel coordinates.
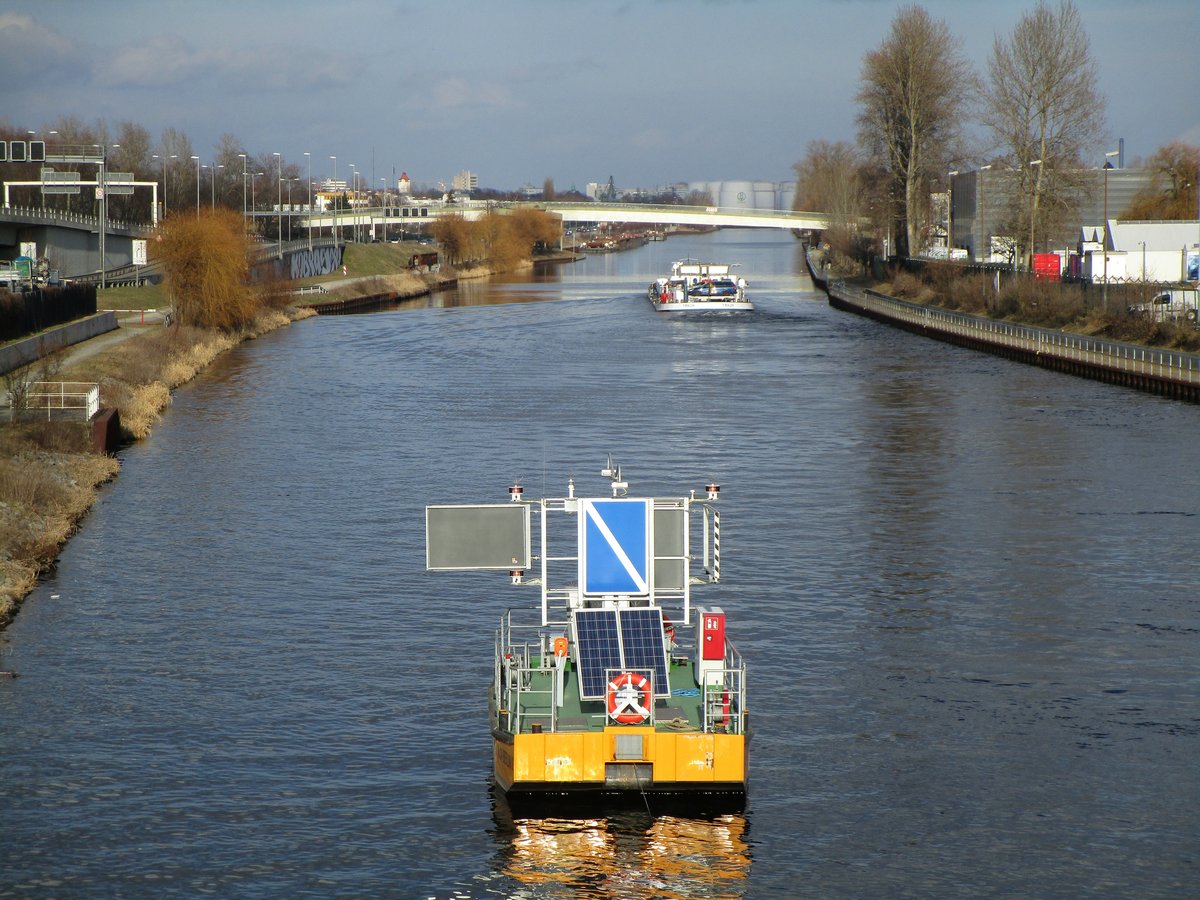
(598, 649)
(643, 647)
(608, 641)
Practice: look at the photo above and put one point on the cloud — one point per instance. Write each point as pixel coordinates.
(165, 60)
(458, 93)
(31, 52)
(155, 62)
(652, 139)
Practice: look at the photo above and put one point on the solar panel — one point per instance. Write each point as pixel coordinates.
(643, 647)
(628, 640)
(598, 649)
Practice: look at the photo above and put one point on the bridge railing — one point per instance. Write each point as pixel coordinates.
(676, 208)
(46, 216)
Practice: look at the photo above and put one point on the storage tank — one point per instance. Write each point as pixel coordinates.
(736, 195)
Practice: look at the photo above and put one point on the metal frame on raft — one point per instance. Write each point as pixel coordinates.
(602, 686)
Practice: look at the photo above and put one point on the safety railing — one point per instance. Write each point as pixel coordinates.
(1162, 364)
(64, 396)
(724, 699)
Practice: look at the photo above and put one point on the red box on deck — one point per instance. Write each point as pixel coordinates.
(712, 633)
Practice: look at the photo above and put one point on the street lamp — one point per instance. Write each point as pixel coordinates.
(243, 156)
(197, 159)
(102, 208)
(279, 202)
(253, 200)
(1032, 207)
(950, 212)
(310, 209)
(985, 239)
(290, 182)
(335, 205)
(213, 184)
(353, 206)
(1104, 290)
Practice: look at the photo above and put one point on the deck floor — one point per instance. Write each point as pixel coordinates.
(681, 712)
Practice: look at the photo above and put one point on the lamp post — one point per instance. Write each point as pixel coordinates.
(1104, 290)
(243, 156)
(1032, 206)
(353, 207)
(335, 205)
(197, 159)
(950, 212)
(253, 200)
(163, 157)
(279, 201)
(984, 238)
(102, 203)
(290, 182)
(213, 184)
(308, 159)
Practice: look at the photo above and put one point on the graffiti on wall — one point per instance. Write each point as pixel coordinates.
(318, 261)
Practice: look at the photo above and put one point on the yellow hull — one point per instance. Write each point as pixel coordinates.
(620, 758)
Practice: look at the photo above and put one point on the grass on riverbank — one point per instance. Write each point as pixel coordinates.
(1065, 306)
(1072, 307)
(133, 297)
(48, 481)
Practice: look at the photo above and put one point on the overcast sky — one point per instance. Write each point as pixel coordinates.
(647, 91)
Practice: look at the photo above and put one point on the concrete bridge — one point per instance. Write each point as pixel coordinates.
(641, 213)
(73, 243)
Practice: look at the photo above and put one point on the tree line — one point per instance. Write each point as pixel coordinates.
(1042, 120)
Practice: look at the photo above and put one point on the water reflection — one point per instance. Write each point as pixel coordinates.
(623, 853)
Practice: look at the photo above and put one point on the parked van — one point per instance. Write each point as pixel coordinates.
(1173, 304)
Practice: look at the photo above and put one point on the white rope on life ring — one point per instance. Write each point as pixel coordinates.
(629, 698)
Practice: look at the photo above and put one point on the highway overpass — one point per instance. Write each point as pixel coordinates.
(640, 213)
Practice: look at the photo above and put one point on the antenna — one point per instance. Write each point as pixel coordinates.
(613, 473)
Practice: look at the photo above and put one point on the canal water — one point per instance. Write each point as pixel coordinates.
(966, 590)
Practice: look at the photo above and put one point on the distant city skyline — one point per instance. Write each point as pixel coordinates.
(518, 91)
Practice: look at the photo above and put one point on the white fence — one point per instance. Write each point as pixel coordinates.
(66, 398)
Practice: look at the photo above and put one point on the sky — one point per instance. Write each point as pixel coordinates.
(649, 92)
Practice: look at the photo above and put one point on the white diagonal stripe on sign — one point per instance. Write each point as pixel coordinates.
(617, 549)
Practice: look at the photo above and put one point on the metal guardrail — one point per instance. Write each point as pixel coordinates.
(52, 396)
(1162, 365)
(47, 216)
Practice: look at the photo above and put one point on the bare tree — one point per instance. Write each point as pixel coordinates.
(1043, 110)
(914, 91)
(1175, 169)
(831, 179)
(548, 189)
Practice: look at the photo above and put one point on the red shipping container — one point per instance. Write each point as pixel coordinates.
(1047, 266)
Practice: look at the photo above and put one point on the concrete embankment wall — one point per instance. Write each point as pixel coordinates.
(22, 352)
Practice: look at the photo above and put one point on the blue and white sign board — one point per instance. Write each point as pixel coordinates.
(614, 547)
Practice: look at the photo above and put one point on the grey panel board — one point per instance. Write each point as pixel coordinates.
(670, 569)
(477, 537)
(669, 527)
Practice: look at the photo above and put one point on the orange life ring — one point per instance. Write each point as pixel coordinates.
(560, 646)
(629, 698)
